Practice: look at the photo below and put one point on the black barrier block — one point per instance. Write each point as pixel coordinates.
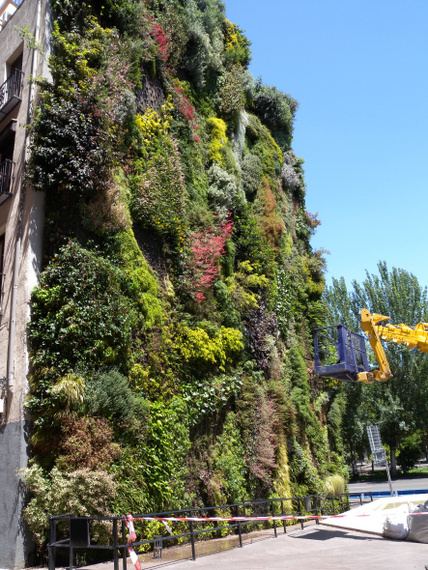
(79, 533)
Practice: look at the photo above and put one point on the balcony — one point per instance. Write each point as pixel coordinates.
(6, 177)
(11, 93)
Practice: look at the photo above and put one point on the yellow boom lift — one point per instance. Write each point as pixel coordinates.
(341, 354)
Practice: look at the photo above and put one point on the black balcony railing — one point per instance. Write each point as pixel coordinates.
(11, 93)
(6, 177)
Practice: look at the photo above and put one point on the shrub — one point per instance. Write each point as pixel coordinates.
(109, 395)
(257, 414)
(222, 191)
(262, 144)
(258, 326)
(251, 174)
(252, 243)
(82, 492)
(142, 285)
(290, 175)
(334, 485)
(203, 56)
(202, 263)
(410, 451)
(217, 130)
(236, 45)
(228, 461)
(107, 212)
(87, 443)
(210, 395)
(244, 287)
(80, 315)
(231, 94)
(160, 193)
(204, 349)
(271, 223)
(163, 457)
(72, 147)
(276, 110)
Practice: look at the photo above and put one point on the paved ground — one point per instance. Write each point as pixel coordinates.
(316, 548)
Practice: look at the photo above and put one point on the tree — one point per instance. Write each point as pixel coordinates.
(399, 406)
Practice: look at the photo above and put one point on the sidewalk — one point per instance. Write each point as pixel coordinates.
(317, 548)
(313, 548)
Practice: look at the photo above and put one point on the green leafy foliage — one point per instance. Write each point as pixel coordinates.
(170, 334)
(84, 492)
(276, 110)
(80, 314)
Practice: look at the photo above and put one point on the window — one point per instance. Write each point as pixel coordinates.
(11, 89)
(7, 143)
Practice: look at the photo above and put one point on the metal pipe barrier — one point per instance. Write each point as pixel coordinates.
(89, 533)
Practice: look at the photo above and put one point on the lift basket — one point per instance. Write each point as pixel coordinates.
(340, 353)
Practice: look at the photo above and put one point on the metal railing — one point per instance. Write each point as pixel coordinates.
(11, 92)
(6, 176)
(88, 533)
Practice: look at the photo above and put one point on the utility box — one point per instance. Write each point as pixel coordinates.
(79, 533)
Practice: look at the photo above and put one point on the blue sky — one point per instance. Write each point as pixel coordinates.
(359, 71)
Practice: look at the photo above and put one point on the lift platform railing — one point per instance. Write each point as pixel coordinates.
(339, 353)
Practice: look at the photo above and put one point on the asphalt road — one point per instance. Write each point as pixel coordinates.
(397, 485)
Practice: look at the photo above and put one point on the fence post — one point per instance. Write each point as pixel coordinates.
(192, 540)
(239, 527)
(245, 514)
(71, 552)
(115, 544)
(274, 522)
(317, 520)
(52, 540)
(300, 512)
(124, 547)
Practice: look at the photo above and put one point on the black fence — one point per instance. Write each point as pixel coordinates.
(187, 538)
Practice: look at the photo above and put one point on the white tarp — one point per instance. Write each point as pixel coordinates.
(390, 517)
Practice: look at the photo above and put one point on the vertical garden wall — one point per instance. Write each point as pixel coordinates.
(171, 332)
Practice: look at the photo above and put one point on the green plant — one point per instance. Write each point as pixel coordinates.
(80, 313)
(87, 443)
(159, 195)
(276, 110)
(251, 174)
(109, 394)
(82, 492)
(237, 45)
(334, 485)
(204, 349)
(222, 191)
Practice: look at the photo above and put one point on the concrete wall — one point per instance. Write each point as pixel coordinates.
(21, 220)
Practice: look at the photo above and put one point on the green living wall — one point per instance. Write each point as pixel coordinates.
(171, 331)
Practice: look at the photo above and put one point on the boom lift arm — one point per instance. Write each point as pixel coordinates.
(369, 324)
(341, 354)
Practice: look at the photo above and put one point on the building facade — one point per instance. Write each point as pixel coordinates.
(23, 24)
